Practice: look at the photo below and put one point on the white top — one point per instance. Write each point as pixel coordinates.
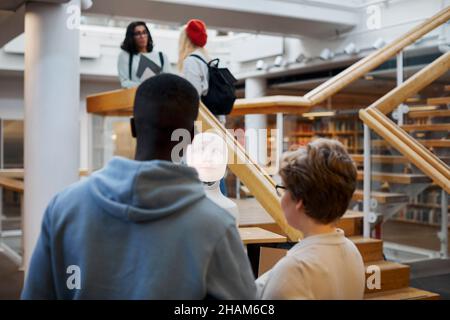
(123, 63)
(196, 72)
(323, 267)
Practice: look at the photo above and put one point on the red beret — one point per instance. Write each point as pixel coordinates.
(196, 32)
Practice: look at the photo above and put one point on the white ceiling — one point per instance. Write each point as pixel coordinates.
(256, 16)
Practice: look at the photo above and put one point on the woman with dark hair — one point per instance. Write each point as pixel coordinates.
(137, 46)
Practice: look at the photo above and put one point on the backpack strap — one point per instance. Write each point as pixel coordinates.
(130, 63)
(200, 58)
(161, 59)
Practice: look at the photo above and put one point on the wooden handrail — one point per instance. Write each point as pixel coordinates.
(11, 184)
(375, 117)
(370, 62)
(252, 175)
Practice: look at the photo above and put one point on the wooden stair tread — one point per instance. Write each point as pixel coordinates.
(370, 249)
(426, 127)
(436, 143)
(382, 197)
(431, 113)
(389, 159)
(252, 235)
(402, 294)
(393, 275)
(438, 100)
(401, 178)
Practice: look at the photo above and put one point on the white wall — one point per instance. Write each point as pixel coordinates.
(12, 105)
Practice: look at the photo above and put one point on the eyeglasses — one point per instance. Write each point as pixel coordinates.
(142, 33)
(280, 190)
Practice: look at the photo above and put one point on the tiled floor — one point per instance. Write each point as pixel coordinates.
(11, 279)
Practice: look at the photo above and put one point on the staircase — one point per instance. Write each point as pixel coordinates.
(394, 277)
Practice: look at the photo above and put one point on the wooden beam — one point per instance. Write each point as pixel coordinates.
(253, 235)
(12, 184)
(116, 102)
(426, 127)
(19, 173)
(390, 159)
(429, 114)
(440, 100)
(382, 197)
(400, 178)
(431, 143)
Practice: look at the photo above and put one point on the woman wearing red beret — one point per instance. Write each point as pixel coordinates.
(192, 62)
(191, 45)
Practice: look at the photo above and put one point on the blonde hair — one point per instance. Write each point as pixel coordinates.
(186, 47)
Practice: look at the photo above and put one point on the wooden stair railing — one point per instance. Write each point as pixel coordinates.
(120, 102)
(375, 117)
(252, 175)
(289, 104)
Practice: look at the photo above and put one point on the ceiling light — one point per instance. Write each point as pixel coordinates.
(260, 65)
(326, 54)
(379, 43)
(300, 58)
(86, 4)
(351, 49)
(278, 61)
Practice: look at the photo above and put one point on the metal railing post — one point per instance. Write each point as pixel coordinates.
(367, 182)
(443, 235)
(280, 138)
(399, 110)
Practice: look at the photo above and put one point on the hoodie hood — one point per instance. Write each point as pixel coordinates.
(140, 191)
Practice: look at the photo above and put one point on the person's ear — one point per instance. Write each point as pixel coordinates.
(299, 205)
(133, 128)
(192, 132)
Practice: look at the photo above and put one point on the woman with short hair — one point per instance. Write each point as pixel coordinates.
(318, 184)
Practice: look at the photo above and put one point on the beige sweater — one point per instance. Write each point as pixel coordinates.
(327, 267)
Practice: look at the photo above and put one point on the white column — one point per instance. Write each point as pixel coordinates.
(52, 89)
(255, 124)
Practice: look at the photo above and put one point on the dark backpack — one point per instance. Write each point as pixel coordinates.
(221, 91)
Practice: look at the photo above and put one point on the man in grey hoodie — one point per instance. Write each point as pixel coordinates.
(143, 228)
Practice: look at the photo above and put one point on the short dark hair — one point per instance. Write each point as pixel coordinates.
(165, 102)
(323, 176)
(129, 44)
